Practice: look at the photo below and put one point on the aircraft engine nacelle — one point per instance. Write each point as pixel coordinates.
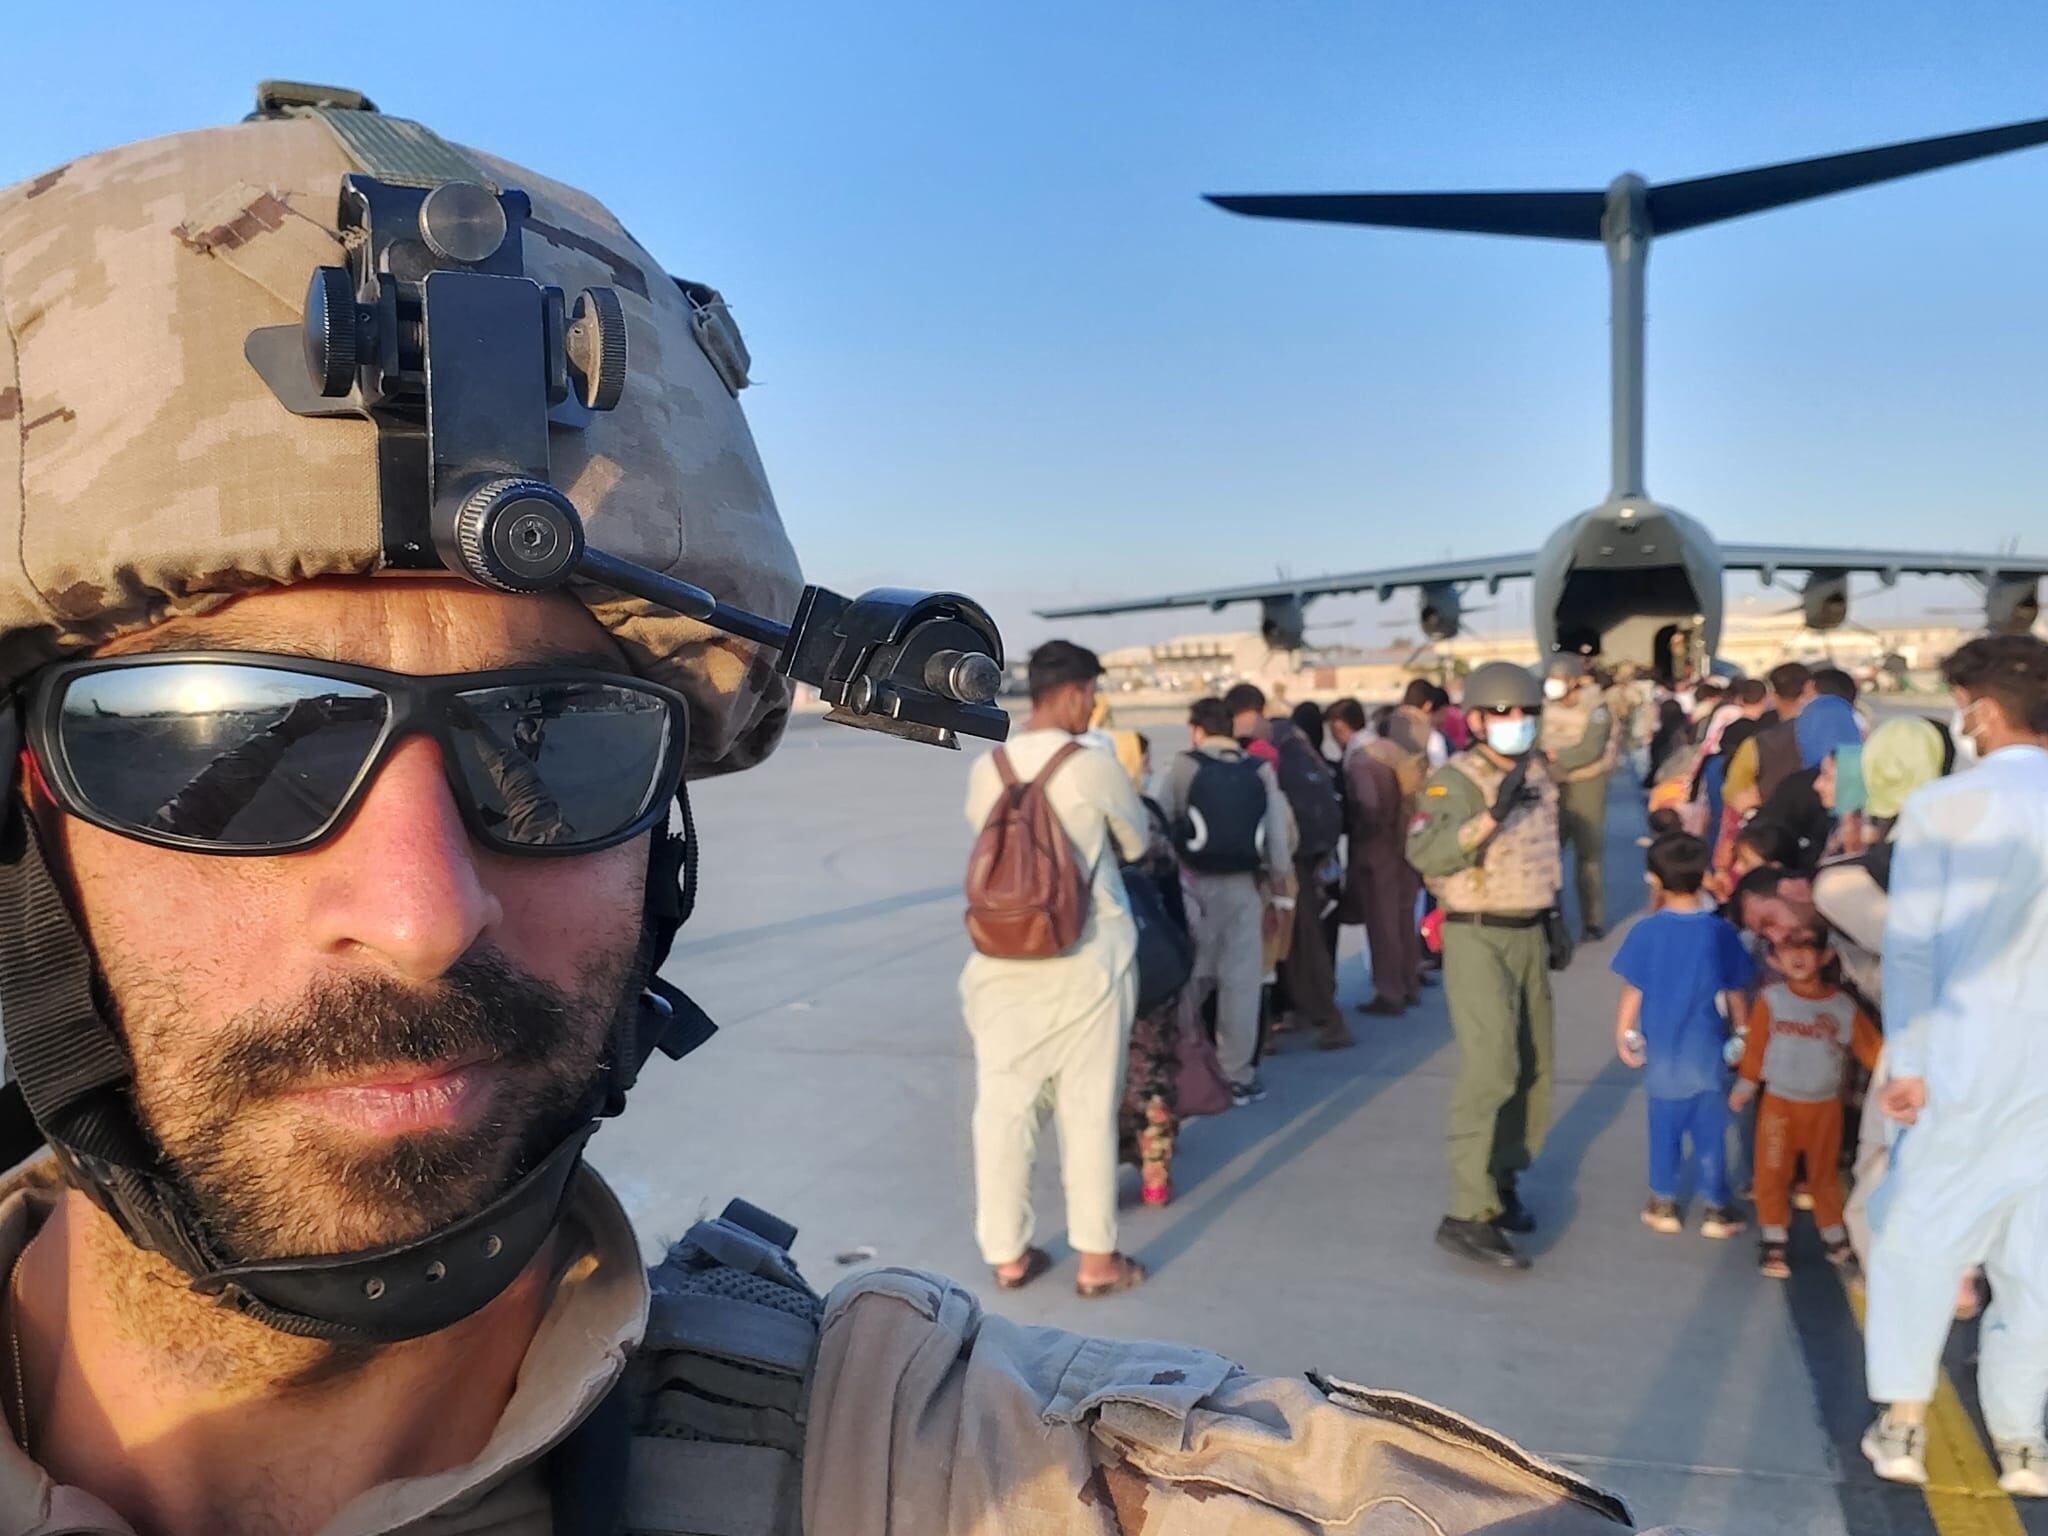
(1283, 623)
(1440, 611)
(2012, 605)
(1825, 599)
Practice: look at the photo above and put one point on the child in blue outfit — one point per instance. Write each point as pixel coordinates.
(1677, 963)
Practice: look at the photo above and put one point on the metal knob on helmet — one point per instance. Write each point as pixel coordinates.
(330, 331)
(462, 222)
(596, 347)
(968, 677)
(516, 535)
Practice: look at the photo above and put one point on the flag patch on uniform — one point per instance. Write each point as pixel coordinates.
(1437, 791)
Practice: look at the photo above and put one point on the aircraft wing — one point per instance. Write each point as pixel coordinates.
(1887, 563)
(1491, 571)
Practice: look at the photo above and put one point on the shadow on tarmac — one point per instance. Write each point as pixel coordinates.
(1311, 1098)
(1554, 1177)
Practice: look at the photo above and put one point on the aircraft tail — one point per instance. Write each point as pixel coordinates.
(1673, 206)
(1545, 215)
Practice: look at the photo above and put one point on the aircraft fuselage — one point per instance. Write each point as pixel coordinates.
(1618, 579)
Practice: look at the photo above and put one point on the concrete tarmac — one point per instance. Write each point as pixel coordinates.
(828, 943)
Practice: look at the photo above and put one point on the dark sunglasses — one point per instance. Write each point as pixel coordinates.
(245, 753)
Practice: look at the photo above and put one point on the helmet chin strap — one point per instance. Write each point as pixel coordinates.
(408, 1289)
(72, 1070)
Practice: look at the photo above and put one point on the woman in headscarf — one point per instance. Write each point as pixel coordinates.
(1148, 1120)
(1669, 737)
(1308, 719)
(1795, 806)
(1851, 893)
(1823, 725)
(1902, 754)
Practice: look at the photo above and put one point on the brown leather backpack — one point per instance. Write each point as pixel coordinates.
(1027, 895)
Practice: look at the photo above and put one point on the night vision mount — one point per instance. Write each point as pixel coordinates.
(435, 333)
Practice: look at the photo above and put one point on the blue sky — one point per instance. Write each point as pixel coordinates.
(1003, 346)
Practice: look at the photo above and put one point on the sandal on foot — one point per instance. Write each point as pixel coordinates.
(1036, 1262)
(1130, 1274)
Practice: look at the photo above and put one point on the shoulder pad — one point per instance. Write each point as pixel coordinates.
(718, 1391)
(728, 1292)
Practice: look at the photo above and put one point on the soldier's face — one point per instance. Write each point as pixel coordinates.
(347, 1047)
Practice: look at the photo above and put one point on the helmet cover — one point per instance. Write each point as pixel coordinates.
(147, 471)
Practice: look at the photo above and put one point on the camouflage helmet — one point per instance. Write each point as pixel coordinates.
(1501, 685)
(147, 471)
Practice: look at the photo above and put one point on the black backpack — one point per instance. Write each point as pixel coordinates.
(1222, 831)
(1166, 949)
(1310, 788)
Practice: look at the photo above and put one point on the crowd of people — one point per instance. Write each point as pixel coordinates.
(1833, 973)
(1841, 971)
(1209, 892)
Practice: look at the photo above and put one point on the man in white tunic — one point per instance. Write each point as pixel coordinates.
(1053, 1033)
(1965, 956)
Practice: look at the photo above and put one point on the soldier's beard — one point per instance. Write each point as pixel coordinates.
(270, 1181)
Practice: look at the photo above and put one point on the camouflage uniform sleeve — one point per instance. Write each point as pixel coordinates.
(1449, 801)
(928, 1416)
(1589, 748)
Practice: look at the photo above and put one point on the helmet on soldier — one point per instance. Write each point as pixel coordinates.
(1564, 672)
(1501, 685)
(155, 473)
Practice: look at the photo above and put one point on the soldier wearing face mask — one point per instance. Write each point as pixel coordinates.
(1485, 840)
(1577, 738)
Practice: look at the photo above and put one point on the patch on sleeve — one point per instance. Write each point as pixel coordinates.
(1421, 821)
(1437, 791)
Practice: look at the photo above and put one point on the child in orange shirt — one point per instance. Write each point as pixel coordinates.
(1801, 1033)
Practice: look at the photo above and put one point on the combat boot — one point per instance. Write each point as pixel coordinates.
(1513, 1216)
(1480, 1241)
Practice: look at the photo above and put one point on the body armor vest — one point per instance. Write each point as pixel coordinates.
(1565, 726)
(1523, 868)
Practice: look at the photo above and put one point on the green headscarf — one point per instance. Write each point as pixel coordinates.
(1902, 754)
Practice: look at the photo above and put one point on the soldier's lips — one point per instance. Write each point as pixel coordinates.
(402, 1099)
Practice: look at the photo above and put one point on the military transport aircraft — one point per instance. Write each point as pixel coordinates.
(1631, 576)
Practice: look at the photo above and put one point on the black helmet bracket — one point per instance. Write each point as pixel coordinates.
(434, 333)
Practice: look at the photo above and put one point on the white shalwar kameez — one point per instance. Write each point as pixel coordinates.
(1966, 1008)
(1053, 1034)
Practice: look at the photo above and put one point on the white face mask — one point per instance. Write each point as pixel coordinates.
(1959, 732)
(1555, 688)
(1511, 738)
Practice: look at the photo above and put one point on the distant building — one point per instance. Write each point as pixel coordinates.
(1750, 640)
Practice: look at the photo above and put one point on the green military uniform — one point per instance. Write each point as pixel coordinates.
(1582, 743)
(1624, 708)
(1496, 969)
